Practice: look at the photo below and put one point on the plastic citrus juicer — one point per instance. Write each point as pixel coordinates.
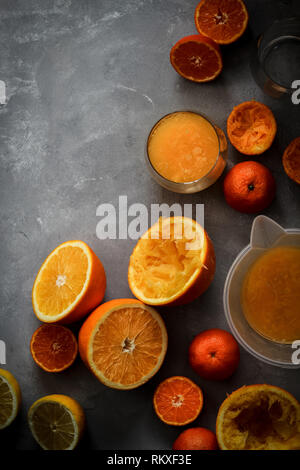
(265, 234)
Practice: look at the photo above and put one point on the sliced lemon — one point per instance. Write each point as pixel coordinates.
(56, 422)
(10, 398)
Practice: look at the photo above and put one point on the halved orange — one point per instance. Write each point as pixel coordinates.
(123, 342)
(53, 347)
(224, 21)
(251, 127)
(172, 263)
(291, 160)
(70, 283)
(178, 401)
(259, 417)
(10, 398)
(57, 422)
(196, 58)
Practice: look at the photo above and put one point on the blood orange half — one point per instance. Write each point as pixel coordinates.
(196, 58)
(53, 347)
(223, 21)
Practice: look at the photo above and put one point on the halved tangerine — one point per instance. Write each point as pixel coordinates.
(259, 417)
(291, 160)
(123, 342)
(251, 127)
(223, 21)
(172, 263)
(178, 401)
(53, 347)
(196, 58)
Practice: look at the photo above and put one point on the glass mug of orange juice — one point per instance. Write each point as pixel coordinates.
(186, 152)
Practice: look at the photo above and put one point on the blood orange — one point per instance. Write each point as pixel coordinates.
(196, 58)
(53, 347)
(178, 401)
(224, 21)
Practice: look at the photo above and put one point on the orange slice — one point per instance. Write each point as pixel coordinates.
(53, 347)
(259, 417)
(70, 283)
(57, 422)
(251, 127)
(173, 263)
(10, 398)
(224, 21)
(178, 401)
(196, 58)
(123, 342)
(291, 160)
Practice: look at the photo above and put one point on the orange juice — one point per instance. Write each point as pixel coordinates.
(271, 294)
(183, 147)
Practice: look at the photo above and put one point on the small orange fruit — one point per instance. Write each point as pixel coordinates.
(178, 401)
(196, 439)
(259, 417)
(70, 283)
(251, 127)
(291, 160)
(124, 343)
(249, 187)
(172, 263)
(214, 354)
(53, 347)
(196, 58)
(224, 21)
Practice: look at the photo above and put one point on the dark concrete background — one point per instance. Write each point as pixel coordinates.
(85, 81)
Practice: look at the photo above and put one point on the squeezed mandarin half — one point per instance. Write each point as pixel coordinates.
(251, 127)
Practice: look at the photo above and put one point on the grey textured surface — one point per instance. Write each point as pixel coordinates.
(85, 81)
